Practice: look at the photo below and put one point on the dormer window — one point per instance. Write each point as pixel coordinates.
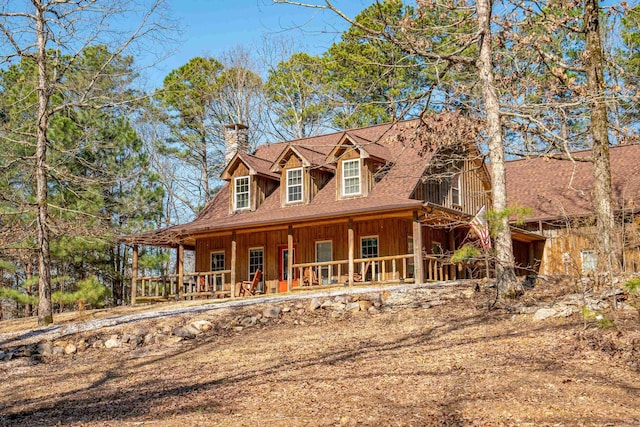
(351, 177)
(294, 185)
(241, 193)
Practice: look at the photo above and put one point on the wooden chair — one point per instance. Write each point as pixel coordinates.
(250, 286)
(309, 278)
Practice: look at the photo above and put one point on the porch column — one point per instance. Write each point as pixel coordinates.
(134, 274)
(233, 264)
(417, 249)
(290, 259)
(180, 269)
(351, 240)
(452, 248)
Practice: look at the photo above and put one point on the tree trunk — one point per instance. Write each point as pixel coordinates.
(505, 265)
(599, 132)
(45, 315)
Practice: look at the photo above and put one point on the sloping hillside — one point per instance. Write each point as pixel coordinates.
(416, 356)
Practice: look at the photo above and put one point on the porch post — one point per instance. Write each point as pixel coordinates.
(180, 270)
(417, 249)
(290, 259)
(452, 248)
(351, 241)
(134, 274)
(233, 264)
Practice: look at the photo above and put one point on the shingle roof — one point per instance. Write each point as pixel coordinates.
(560, 188)
(393, 191)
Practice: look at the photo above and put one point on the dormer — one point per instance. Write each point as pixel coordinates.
(358, 163)
(250, 180)
(302, 172)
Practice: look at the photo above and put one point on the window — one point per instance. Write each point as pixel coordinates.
(369, 249)
(350, 177)
(256, 262)
(455, 189)
(217, 264)
(294, 185)
(589, 261)
(324, 253)
(241, 193)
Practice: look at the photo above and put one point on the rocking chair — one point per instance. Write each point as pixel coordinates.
(250, 286)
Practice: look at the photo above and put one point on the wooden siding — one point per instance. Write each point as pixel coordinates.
(474, 188)
(393, 235)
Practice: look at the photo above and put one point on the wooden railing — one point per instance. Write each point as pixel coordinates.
(366, 270)
(164, 288)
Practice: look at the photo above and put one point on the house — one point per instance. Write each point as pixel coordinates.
(385, 203)
(559, 195)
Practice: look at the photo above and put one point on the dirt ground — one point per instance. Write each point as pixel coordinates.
(453, 364)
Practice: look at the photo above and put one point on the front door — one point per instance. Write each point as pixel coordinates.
(283, 260)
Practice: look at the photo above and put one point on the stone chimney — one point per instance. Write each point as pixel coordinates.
(236, 137)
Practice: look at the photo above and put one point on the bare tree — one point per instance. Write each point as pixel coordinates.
(450, 36)
(43, 31)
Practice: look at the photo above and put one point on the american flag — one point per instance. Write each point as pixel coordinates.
(481, 228)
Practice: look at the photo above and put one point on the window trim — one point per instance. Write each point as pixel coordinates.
(377, 245)
(344, 178)
(224, 259)
(456, 185)
(301, 185)
(236, 193)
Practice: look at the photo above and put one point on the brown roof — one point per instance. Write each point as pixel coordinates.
(392, 191)
(561, 188)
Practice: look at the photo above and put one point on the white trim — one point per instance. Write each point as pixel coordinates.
(235, 193)
(457, 179)
(375, 236)
(301, 185)
(344, 162)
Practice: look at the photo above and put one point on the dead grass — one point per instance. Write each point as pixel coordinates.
(450, 365)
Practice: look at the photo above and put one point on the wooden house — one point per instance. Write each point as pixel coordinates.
(559, 195)
(375, 204)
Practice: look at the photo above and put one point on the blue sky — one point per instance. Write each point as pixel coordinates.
(210, 27)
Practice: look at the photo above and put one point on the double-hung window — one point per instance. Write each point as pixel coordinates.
(294, 185)
(351, 177)
(241, 193)
(455, 189)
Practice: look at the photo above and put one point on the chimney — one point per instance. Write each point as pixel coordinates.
(236, 138)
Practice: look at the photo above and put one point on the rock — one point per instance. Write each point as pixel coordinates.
(286, 309)
(326, 304)
(238, 328)
(82, 345)
(24, 351)
(373, 310)
(125, 338)
(136, 340)
(139, 331)
(113, 342)
(314, 304)
(263, 320)
(45, 349)
(70, 349)
(544, 313)
(58, 351)
(342, 299)
(352, 306)
(98, 344)
(148, 338)
(202, 325)
(272, 312)
(7, 356)
(185, 332)
(566, 311)
(2, 355)
(249, 321)
(336, 314)
(365, 305)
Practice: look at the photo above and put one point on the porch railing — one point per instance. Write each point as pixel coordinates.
(165, 288)
(366, 270)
